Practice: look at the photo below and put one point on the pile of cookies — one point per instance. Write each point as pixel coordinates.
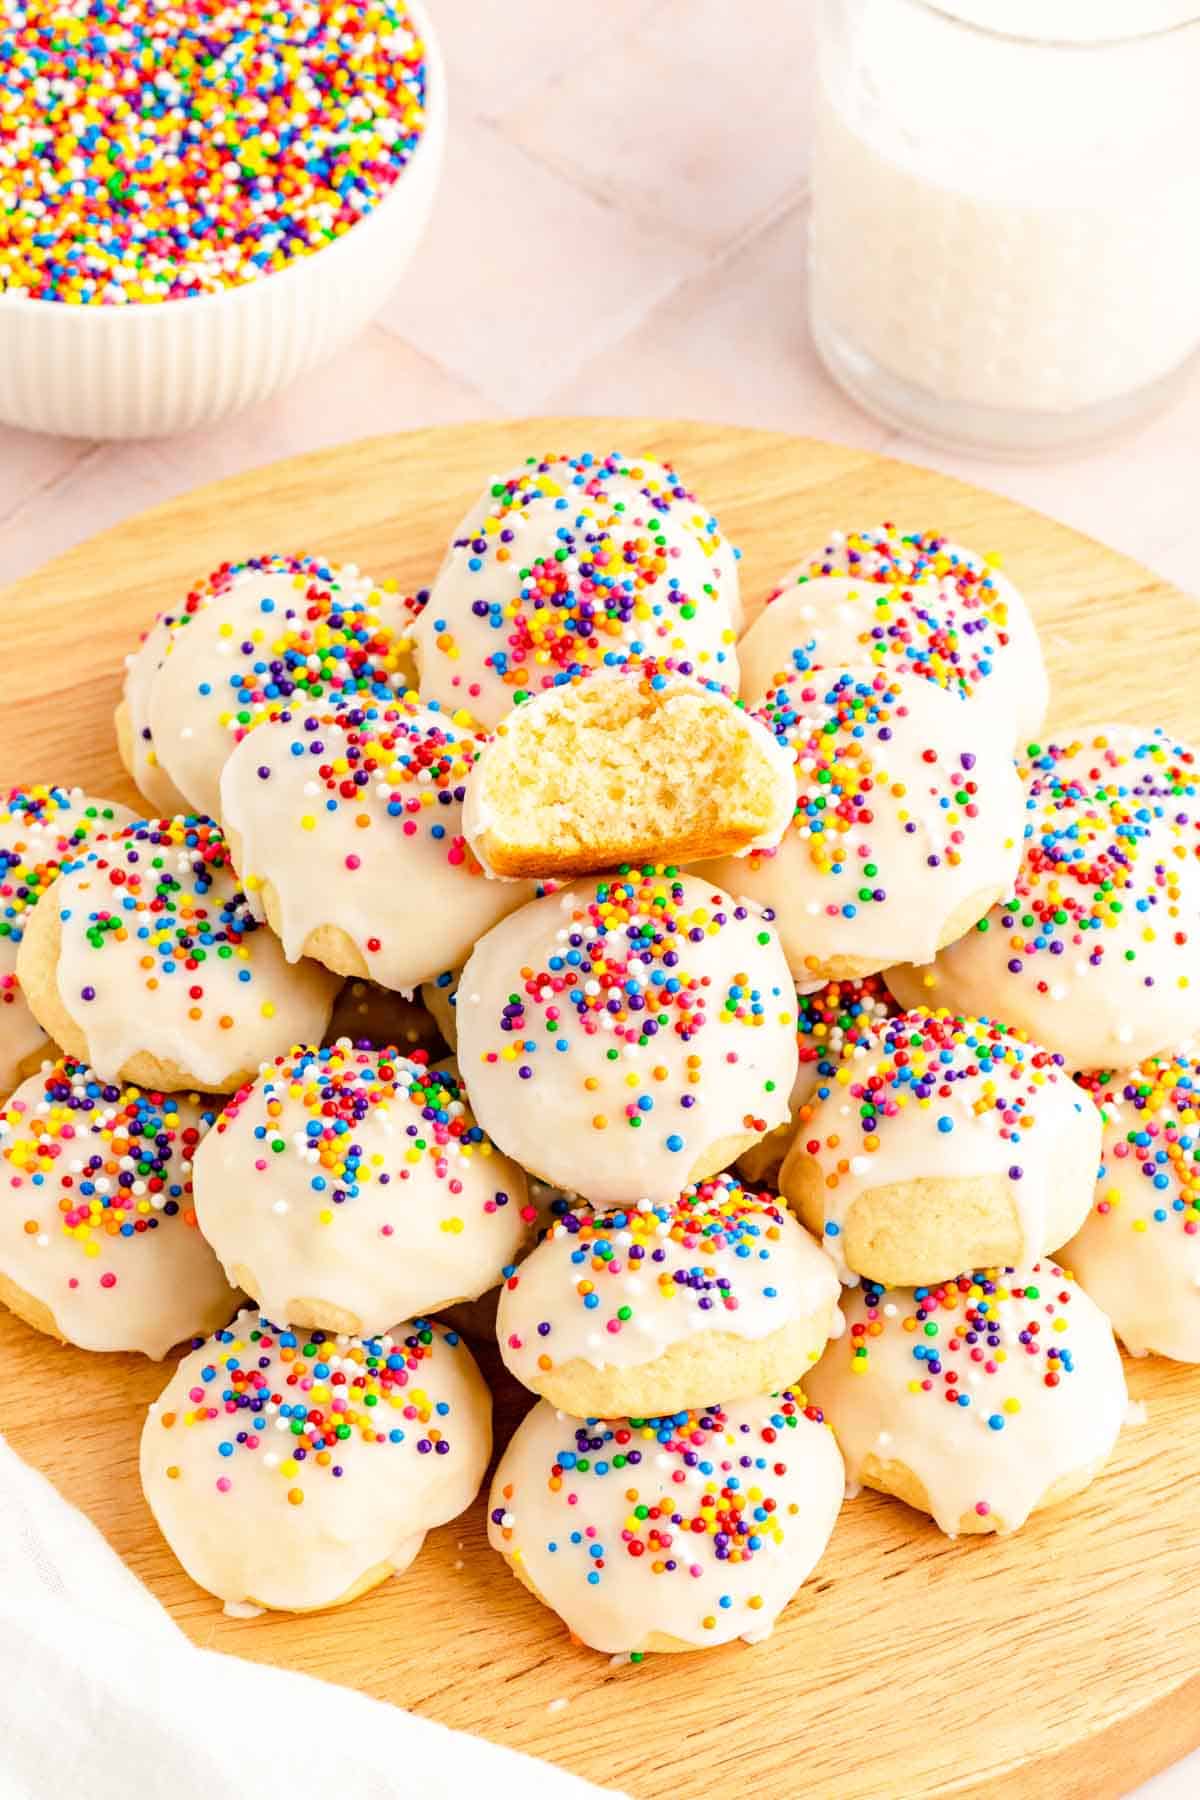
(764, 1037)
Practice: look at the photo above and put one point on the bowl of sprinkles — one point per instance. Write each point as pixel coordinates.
(202, 199)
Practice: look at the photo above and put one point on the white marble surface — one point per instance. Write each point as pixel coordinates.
(621, 229)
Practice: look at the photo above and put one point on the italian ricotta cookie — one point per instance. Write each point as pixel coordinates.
(349, 1188)
(1138, 1251)
(252, 637)
(907, 824)
(1095, 948)
(374, 797)
(135, 746)
(587, 777)
(42, 829)
(98, 1238)
(373, 1017)
(146, 962)
(628, 1034)
(953, 1135)
(904, 603)
(295, 1470)
(836, 1024)
(977, 1400)
(571, 563)
(672, 1533)
(642, 1309)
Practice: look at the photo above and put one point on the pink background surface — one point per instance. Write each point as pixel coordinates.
(621, 228)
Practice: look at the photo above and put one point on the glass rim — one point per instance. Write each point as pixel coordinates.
(943, 9)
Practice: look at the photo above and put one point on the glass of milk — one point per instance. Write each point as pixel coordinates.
(1005, 248)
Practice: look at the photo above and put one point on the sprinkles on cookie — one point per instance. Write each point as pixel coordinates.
(1138, 1251)
(99, 1244)
(120, 1157)
(575, 563)
(334, 1095)
(933, 612)
(294, 1398)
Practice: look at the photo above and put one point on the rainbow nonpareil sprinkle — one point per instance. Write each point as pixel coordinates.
(157, 150)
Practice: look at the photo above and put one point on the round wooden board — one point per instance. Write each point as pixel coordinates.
(1063, 1661)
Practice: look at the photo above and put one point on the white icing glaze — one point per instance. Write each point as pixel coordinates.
(98, 1222)
(1138, 1253)
(396, 874)
(719, 1259)
(1095, 949)
(652, 997)
(1041, 1393)
(41, 829)
(141, 672)
(359, 1180)
(908, 808)
(251, 638)
(646, 572)
(909, 602)
(949, 1096)
(573, 1531)
(134, 918)
(232, 1520)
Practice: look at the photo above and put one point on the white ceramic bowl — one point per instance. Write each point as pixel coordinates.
(151, 370)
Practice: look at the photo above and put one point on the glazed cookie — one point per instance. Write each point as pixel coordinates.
(976, 1400)
(145, 961)
(1138, 1252)
(672, 1533)
(251, 638)
(587, 777)
(642, 1309)
(836, 1025)
(1095, 949)
(349, 1188)
(907, 823)
(295, 1470)
(440, 997)
(904, 603)
(372, 797)
(374, 1016)
(953, 1143)
(628, 1034)
(570, 564)
(42, 829)
(135, 745)
(98, 1238)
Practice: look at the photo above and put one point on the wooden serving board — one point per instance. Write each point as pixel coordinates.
(1061, 1662)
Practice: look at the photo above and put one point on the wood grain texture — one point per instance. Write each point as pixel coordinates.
(1062, 1662)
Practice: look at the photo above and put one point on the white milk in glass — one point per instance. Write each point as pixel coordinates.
(1006, 232)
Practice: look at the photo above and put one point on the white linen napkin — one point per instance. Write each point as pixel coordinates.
(102, 1696)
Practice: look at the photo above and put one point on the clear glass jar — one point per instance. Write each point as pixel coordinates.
(1005, 248)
